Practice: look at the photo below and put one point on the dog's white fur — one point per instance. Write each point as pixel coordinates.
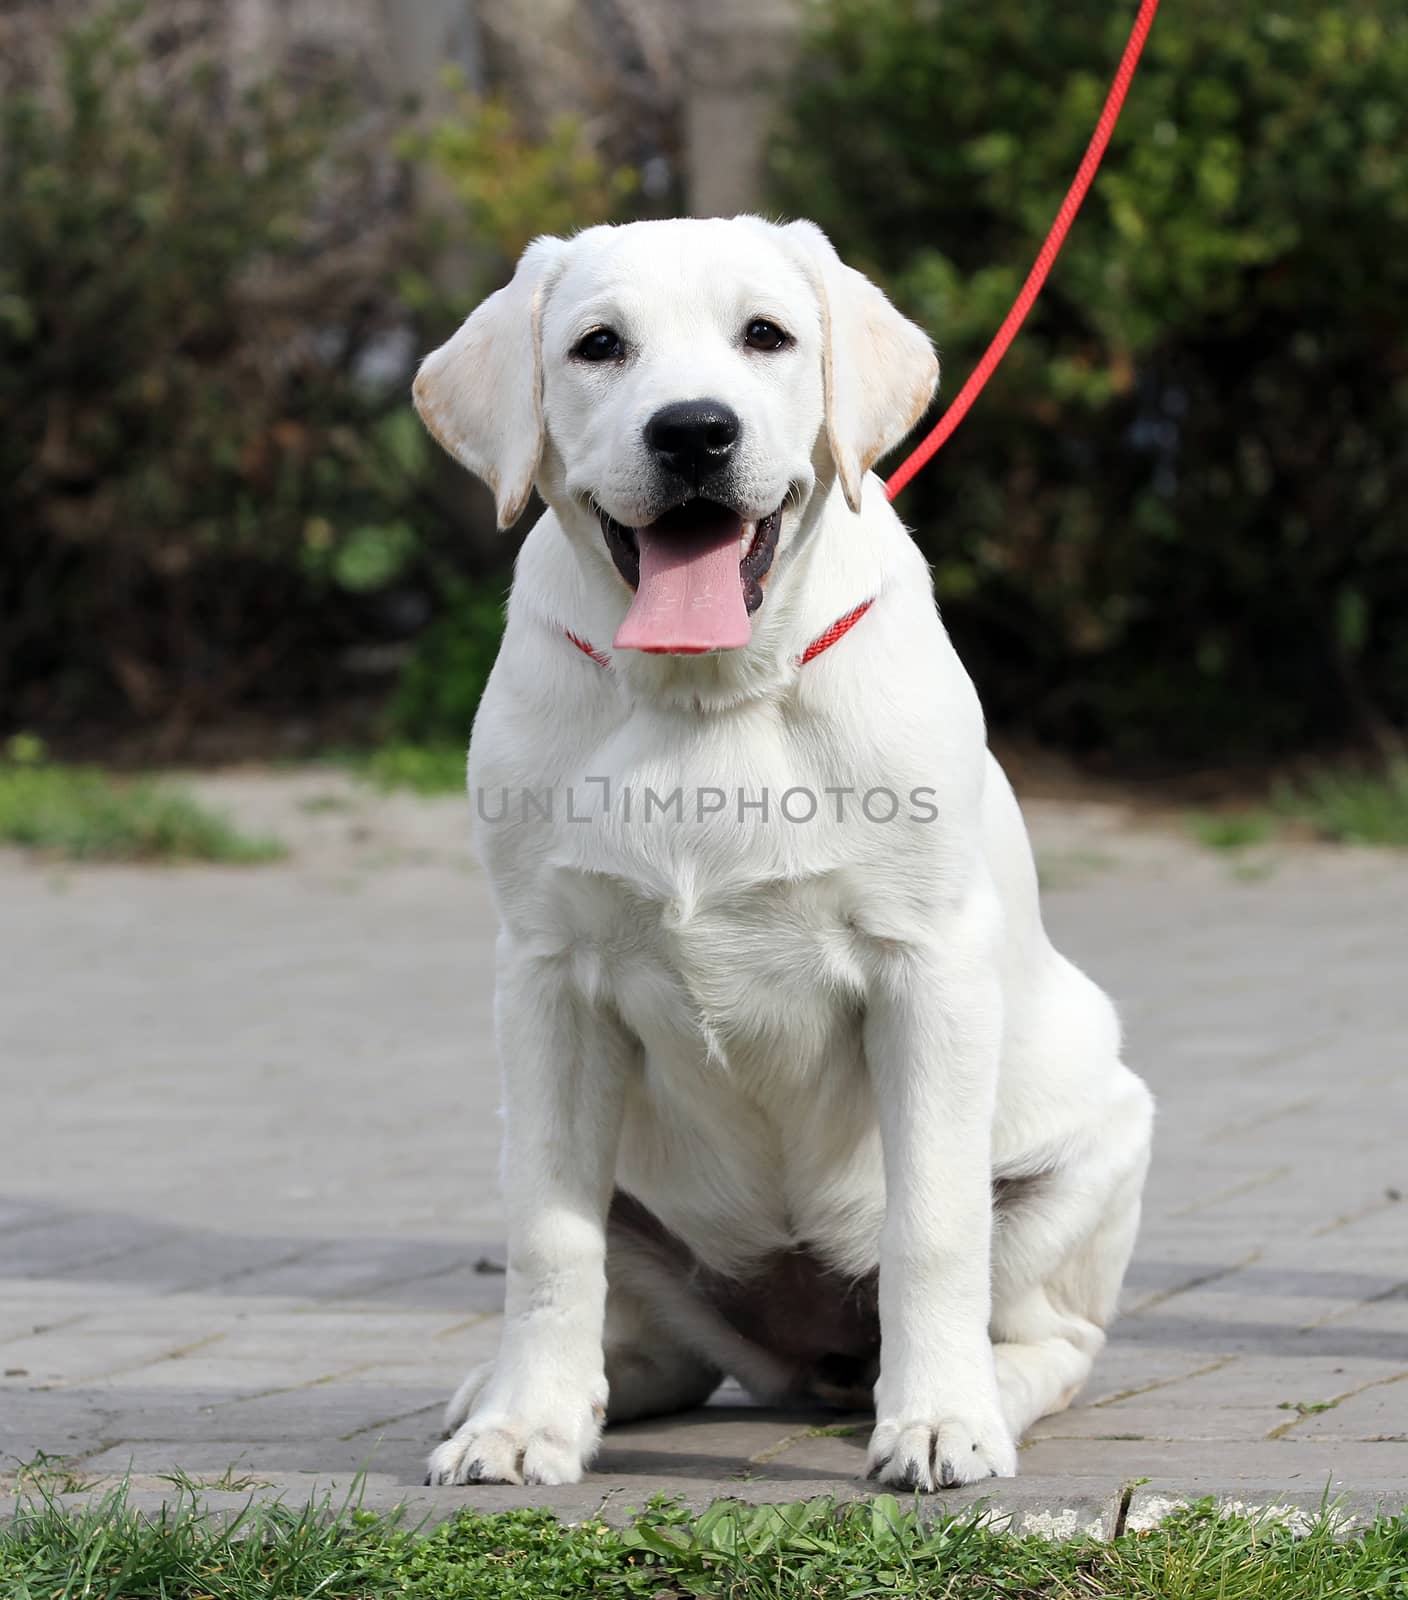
(836, 1032)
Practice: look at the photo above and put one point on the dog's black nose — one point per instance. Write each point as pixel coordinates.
(693, 438)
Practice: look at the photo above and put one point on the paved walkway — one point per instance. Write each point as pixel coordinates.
(248, 1221)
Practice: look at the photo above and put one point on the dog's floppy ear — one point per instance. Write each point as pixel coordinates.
(879, 369)
(481, 392)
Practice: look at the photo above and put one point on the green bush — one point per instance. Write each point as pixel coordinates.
(213, 489)
(1174, 526)
(193, 452)
(508, 186)
(429, 716)
(440, 687)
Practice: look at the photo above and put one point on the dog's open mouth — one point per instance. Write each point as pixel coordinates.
(698, 576)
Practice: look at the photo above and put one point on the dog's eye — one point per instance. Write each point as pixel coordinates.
(601, 344)
(760, 334)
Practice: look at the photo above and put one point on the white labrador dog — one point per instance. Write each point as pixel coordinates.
(795, 1087)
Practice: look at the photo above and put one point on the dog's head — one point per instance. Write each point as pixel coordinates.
(676, 389)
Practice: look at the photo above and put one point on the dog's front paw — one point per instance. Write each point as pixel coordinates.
(466, 1397)
(490, 1439)
(505, 1450)
(941, 1454)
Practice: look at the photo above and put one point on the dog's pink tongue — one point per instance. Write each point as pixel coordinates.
(690, 595)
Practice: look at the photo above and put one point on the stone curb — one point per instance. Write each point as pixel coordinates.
(1043, 1507)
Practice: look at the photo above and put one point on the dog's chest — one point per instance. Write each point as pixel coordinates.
(751, 974)
(718, 891)
(748, 1126)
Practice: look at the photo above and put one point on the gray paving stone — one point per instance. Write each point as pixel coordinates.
(247, 1180)
(1232, 1467)
(311, 1454)
(1376, 1414)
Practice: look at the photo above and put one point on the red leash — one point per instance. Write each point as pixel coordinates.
(955, 414)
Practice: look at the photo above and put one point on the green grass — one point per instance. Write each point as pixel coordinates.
(83, 814)
(1341, 807)
(425, 768)
(1352, 807)
(1231, 830)
(47, 1475)
(805, 1551)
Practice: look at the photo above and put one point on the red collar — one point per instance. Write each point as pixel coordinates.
(823, 641)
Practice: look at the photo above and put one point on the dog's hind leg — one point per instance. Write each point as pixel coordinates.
(667, 1346)
(1061, 1242)
(649, 1371)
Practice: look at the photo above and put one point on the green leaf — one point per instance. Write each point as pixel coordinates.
(369, 558)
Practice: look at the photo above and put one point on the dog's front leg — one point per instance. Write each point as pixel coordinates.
(536, 1415)
(932, 1038)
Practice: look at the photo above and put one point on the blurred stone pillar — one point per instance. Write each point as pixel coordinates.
(424, 43)
(736, 61)
(422, 38)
